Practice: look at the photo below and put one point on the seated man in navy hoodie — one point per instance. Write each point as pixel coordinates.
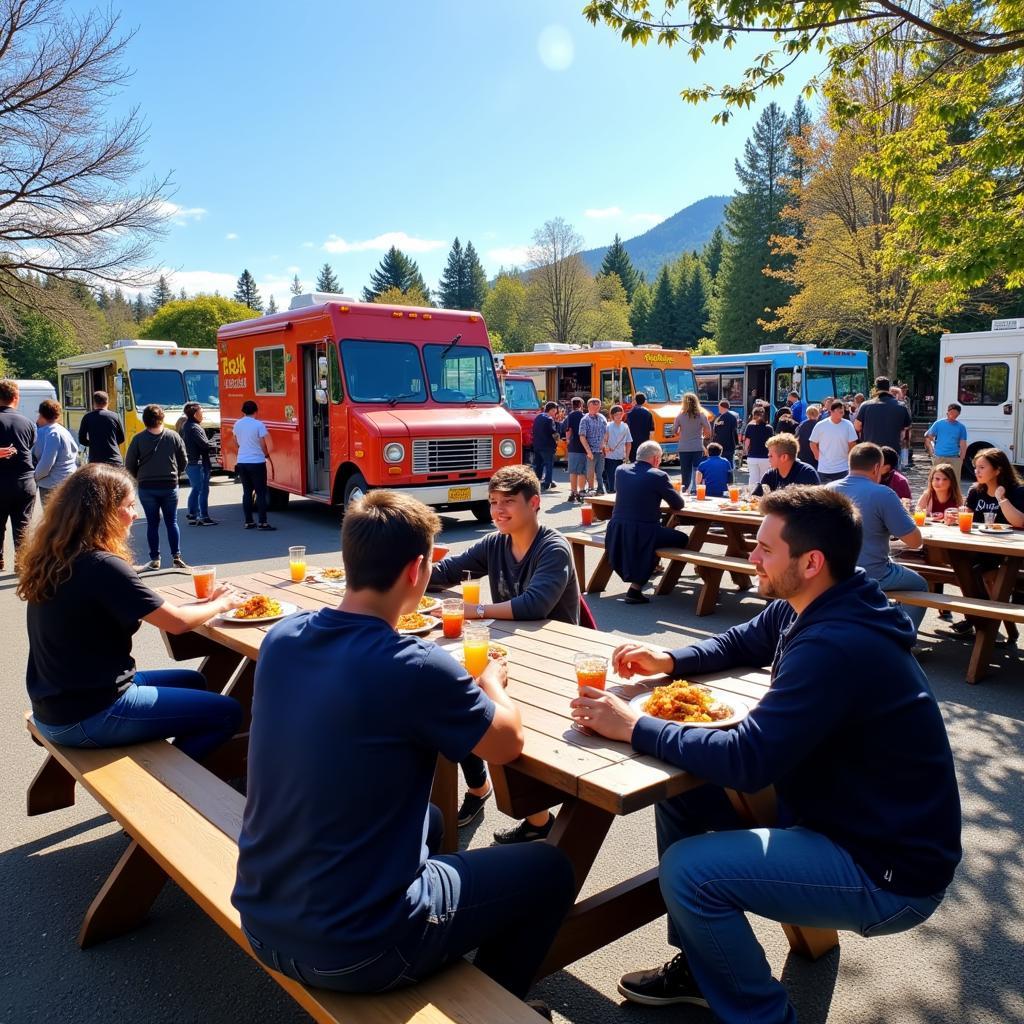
(338, 885)
(869, 812)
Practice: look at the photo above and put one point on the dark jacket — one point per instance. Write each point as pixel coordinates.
(102, 432)
(198, 447)
(545, 433)
(799, 473)
(635, 531)
(857, 752)
(726, 432)
(640, 421)
(156, 460)
(19, 431)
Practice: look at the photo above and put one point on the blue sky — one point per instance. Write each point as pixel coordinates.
(312, 132)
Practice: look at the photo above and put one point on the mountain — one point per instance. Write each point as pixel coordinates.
(684, 231)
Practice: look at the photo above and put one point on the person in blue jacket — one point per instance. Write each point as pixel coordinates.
(868, 834)
(635, 532)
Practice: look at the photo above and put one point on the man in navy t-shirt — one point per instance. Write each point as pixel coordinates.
(715, 472)
(337, 883)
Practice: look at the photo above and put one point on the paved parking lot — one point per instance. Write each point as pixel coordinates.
(964, 965)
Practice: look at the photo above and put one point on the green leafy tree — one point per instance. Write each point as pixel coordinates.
(477, 279)
(162, 294)
(247, 293)
(395, 270)
(326, 281)
(639, 312)
(296, 286)
(608, 315)
(505, 312)
(616, 261)
(40, 341)
(194, 322)
(396, 297)
(661, 320)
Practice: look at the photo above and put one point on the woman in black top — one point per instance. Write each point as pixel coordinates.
(85, 603)
(198, 448)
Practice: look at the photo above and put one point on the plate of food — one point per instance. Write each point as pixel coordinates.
(332, 577)
(494, 652)
(428, 605)
(259, 609)
(415, 623)
(996, 529)
(692, 704)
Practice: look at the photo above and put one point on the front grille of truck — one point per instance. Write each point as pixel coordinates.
(452, 454)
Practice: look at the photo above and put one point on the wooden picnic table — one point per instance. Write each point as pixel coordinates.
(593, 779)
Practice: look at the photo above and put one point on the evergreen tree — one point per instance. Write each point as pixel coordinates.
(396, 270)
(476, 279)
(639, 311)
(661, 320)
(162, 294)
(183, 295)
(247, 293)
(451, 292)
(139, 308)
(271, 306)
(711, 254)
(296, 286)
(799, 122)
(326, 281)
(616, 261)
(102, 299)
(693, 291)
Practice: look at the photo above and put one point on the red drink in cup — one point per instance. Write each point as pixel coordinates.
(702, 491)
(966, 517)
(587, 514)
(591, 670)
(204, 579)
(452, 615)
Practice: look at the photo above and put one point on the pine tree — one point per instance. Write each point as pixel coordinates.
(396, 270)
(693, 290)
(639, 311)
(711, 254)
(616, 261)
(139, 308)
(476, 279)
(296, 287)
(326, 281)
(162, 294)
(661, 320)
(183, 295)
(247, 293)
(271, 306)
(451, 292)
(102, 299)
(799, 122)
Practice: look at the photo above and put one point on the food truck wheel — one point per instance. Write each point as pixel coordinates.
(277, 499)
(481, 510)
(355, 487)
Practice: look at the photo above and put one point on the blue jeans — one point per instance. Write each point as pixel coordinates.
(710, 881)
(544, 466)
(157, 501)
(899, 577)
(199, 491)
(610, 466)
(159, 704)
(688, 462)
(506, 902)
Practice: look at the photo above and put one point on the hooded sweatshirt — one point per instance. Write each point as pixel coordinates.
(849, 733)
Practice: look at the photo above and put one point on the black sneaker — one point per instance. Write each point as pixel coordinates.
(209, 522)
(265, 527)
(472, 807)
(670, 983)
(250, 526)
(524, 832)
(636, 597)
(964, 626)
(191, 518)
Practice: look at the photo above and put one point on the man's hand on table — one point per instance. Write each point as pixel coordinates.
(605, 714)
(496, 674)
(634, 659)
(225, 598)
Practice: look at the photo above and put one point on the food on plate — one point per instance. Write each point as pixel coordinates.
(332, 574)
(414, 620)
(258, 607)
(681, 701)
(494, 652)
(998, 528)
(426, 603)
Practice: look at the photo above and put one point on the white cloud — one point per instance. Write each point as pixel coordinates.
(508, 256)
(294, 270)
(650, 219)
(180, 216)
(600, 214)
(399, 239)
(231, 236)
(556, 48)
(201, 281)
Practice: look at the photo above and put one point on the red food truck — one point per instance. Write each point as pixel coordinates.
(358, 395)
(519, 396)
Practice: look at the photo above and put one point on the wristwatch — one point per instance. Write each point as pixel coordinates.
(479, 611)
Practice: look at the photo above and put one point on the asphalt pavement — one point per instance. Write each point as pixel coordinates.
(963, 965)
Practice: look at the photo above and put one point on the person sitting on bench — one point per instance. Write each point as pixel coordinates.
(85, 602)
(338, 886)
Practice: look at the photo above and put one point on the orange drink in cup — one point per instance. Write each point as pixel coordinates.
(734, 493)
(587, 514)
(678, 485)
(204, 579)
(475, 641)
(591, 670)
(297, 563)
(966, 518)
(452, 614)
(920, 516)
(702, 491)
(470, 590)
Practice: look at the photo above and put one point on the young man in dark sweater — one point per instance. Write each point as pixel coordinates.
(532, 577)
(869, 812)
(101, 432)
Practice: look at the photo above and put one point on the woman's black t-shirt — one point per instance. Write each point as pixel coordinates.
(980, 502)
(757, 434)
(80, 642)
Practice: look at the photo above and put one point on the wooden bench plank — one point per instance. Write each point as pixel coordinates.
(977, 606)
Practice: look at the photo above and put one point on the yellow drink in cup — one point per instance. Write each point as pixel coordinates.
(470, 591)
(920, 516)
(297, 563)
(475, 641)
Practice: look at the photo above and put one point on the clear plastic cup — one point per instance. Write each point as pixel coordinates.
(297, 563)
(591, 670)
(204, 579)
(453, 611)
(475, 642)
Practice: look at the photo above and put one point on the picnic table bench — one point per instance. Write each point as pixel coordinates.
(184, 824)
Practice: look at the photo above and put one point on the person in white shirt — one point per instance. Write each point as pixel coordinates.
(617, 445)
(831, 441)
(254, 447)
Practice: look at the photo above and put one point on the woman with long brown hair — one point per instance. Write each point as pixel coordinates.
(942, 491)
(692, 431)
(85, 602)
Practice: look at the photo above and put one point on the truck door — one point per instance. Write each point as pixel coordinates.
(1018, 452)
(316, 419)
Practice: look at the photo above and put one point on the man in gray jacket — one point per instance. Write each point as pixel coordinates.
(55, 450)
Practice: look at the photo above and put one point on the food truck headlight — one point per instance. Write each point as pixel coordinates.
(394, 452)
(507, 448)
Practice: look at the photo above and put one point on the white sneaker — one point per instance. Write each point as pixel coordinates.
(155, 564)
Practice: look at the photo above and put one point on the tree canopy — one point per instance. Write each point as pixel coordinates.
(247, 293)
(396, 270)
(193, 323)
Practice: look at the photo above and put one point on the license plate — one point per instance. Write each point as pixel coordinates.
(458, 494)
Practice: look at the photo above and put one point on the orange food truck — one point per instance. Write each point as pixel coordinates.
(357, 395)
(613, 371)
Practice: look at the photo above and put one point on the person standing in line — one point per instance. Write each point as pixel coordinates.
(253, 444)
(198, 448)
(617, 448)
(55, 451)
(593, 431)
(156, 458)
(831, 442)
(17, 479)
(803, 435)
(726, 430)
(545, 443)
(640, 421)
(575, 455)
(101, 432)
(691, 433)
(946, 440)
(755, 441)
(883, 419)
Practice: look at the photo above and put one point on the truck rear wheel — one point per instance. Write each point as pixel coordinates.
(355, 487)
(277, 499)
(481, 510)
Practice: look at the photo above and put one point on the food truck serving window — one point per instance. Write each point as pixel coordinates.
(269, 364)
(388, 372)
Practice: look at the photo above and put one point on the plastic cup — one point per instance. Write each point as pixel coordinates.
(470, 590)
(204, 579)
(678, 485)
(950, 516)
(452, 614)
(920, 516)
(587, 515)
(966, 519)
(297, 563)
(702, 491)
(475, 640)
(990, 518)
(734, 494)
(591, 670)
(440, 551)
